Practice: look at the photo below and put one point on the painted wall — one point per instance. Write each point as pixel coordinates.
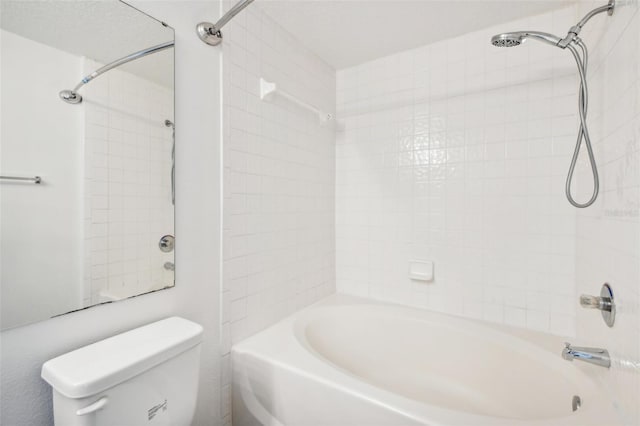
(24, 398)
(36, 143)
(456, 153)
(278, 249)
(608, 233)
(127, 187)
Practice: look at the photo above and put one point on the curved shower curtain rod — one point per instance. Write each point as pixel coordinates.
(73, 97)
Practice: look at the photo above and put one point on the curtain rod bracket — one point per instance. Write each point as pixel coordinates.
(70, 97)
(209, 33)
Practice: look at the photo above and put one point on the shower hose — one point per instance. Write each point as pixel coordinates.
(583, 132)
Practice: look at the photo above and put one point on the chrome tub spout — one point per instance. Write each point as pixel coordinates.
(595, 356)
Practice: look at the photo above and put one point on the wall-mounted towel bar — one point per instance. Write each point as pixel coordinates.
(267, 89)
(35, 179)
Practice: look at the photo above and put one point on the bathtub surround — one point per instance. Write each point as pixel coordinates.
(608, 234)
(456, 153)
(25, 398)
(464, 164)
(278, 214)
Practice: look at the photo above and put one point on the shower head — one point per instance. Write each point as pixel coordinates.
(168, 123)
(569, 42)
(507, 40)
(518, 37)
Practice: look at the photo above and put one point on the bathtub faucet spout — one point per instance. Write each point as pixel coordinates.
(595, 356)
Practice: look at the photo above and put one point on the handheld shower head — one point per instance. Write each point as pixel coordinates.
(569, 42)
(518, 37)
(507, 40)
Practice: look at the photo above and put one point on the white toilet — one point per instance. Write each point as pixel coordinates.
(146, 376)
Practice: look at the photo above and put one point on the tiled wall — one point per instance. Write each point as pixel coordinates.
(127, 186)
(457, 152)
(608, 233)
(279, 173)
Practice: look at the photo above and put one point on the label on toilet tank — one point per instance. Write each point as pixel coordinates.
(154, 410)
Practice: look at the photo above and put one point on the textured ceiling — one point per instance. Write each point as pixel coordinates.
(349, 32)
(103, 30)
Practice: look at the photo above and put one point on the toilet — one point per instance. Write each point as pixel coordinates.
(146, 376)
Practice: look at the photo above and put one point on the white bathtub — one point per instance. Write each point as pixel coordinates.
(349, 361)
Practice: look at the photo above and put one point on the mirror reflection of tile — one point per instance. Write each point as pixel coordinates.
(89, 232)
(128, 188)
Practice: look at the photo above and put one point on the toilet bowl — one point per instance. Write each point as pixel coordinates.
(146, 376)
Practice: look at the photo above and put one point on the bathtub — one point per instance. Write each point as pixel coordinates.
(351, 361)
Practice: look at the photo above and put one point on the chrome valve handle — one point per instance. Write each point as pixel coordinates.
(604, 303)
(595, 302)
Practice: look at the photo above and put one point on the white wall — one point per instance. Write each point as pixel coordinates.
(127, 184)
(278, 181)
(24, 398)
(41, 136)
(608, 233)
(456, 152)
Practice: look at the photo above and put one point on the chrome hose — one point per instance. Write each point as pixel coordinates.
(583, 132)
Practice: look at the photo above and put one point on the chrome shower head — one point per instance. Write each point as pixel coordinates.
(507, 40)
(518, 37)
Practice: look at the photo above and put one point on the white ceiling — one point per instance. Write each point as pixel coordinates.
(102, 30)
(349, 32)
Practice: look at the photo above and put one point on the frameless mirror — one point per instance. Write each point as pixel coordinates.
(86, 156)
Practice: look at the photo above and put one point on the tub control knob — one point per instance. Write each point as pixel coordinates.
(594, 302)
(166, 244)
(604, 303)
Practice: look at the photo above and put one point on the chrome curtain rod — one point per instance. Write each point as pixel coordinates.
(73, 97)
(210, 33)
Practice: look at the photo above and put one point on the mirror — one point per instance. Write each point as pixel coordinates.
(86, 156)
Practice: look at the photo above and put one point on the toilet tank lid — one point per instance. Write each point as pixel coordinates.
(109, 362)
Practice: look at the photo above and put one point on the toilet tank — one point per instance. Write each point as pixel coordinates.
(146, 376)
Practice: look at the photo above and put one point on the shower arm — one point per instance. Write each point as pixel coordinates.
(210, 33)
(575, 30)
(73, 97)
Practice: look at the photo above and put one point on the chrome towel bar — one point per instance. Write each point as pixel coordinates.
(35, 179)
